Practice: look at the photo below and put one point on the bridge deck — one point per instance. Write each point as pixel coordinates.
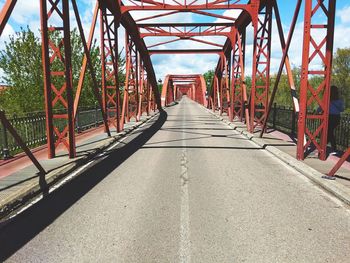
(194, 190)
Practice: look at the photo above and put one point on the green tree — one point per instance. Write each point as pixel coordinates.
(23, 71)
(341, 74)
(22, 68)
(208, 76)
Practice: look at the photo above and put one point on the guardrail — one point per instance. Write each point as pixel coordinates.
(32, 129)
(285, 120)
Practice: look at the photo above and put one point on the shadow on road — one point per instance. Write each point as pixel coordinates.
(24, 227)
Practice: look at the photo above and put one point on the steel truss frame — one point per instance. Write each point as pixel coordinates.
(224, 84)
(109, 24)
(144, 91)
(315, 51)
(141, 80)
(57, 76)
(239, 106)
(262, 24)
(176, 85)
(131, 88)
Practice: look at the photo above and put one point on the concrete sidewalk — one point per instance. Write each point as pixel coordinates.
(19, 178)
(284, 147)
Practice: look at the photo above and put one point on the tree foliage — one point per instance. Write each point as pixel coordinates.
(340, 78)
(208, 76)
(341, 74)
(22, 67)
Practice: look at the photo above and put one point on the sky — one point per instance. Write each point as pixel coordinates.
(26, 13)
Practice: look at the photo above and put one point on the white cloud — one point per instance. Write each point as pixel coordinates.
(344, 14)
(233, 13)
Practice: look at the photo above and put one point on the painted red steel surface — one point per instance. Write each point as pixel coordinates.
(261, 66)
(317, 61)
(228, 92)
(339, 163)
(131, 89)
(175, 86)
(239, 105)
(109, 24)
(58, 80)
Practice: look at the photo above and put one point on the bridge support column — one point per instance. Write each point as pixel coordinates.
(131, 89)
(57, 70)
(317, 61)
(109, 25)
(239, 100)
(224, 85)
(144, 90)
(262, 22)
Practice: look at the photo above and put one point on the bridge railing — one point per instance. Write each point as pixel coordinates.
(32, 129)
(284, 119)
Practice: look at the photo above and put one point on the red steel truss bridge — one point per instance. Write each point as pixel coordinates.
(180, 148)
(120, 102)
(228, 91)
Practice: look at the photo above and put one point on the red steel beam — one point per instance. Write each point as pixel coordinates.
(319, 96)
(185, 30)
(239, 105)
(261, 67)
(58, 80)
(6, 13)
(184, 51)
(130, 26)
(20, 142)
(131, 89)
(144, 90)
(156, 16)
(109, 24)
(212, 15)
(84, 66)
(144, 25)
(339, 163)
(159, 6)
(87, 57)
(284, 61)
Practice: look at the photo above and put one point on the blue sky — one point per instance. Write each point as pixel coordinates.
(27, 13)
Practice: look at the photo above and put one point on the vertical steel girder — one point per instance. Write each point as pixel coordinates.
(144, 90)
(216, 93)
(56, 54)
(224, 86)
(131, 89)
(170, 94)
(316, 61)
(284, 61)
(262, 23)
(109, 24)
(164, 94)
(239, 105)
(85, 61)
(202, 91)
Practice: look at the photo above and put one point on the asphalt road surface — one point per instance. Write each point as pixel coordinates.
(183, 188)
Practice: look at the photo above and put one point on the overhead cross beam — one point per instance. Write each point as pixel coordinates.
(185, 30)
(150, 5)
(184, 51)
